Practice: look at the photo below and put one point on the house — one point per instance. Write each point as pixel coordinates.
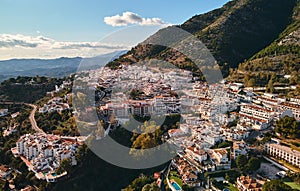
(5, 171)
(166, 104)
(236, 86)
(197, 154)
(213, 138)
(236, 134)
(220, 155)
(3, 112)
(14, 115)
(188, 172)
(293, 107)
(220, 158)
(239, 148)
(189, 178)
(268, 102)
(176, 133)
(245, 183)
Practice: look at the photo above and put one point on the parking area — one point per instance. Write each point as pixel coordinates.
(268, 170)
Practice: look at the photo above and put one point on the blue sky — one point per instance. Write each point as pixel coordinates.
(83, 21)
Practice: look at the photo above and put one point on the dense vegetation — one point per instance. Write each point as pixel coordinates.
(96, 174)
(279, 58)
(145, 140)
(246, 164)
(143, 183)
(58, 123)
(288, 127)
(27, 89)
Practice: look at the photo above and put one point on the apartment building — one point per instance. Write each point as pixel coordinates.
(45, 152)
(256, 111)
(284, 153)
(257, 117)
(293, 107)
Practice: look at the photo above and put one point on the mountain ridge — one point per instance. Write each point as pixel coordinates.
(278, 63)
(57, 67)
(233, 33)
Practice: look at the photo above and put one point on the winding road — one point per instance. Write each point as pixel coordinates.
(32, 119)
(31, 116)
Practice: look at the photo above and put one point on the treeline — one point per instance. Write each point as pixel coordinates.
(276, 50)
(27, 89)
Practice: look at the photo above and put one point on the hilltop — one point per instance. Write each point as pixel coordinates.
(233, 33)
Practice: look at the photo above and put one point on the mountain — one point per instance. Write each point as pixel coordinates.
(278, 63)
(233, 33)
(59, 67)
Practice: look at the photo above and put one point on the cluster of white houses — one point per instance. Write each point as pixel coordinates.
(210, 113)
(43, 153)
(209, 102)
(59, 88)
(57, 104)
(156, 106)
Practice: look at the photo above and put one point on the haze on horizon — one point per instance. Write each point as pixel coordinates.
(35, 29)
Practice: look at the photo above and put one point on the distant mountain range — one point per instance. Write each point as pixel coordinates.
(59, 67)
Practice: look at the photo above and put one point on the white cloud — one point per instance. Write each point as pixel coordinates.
(24, 46)
(128, 18)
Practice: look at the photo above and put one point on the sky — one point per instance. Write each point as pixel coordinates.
(55, 28)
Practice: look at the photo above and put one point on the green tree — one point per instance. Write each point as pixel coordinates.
(81, 153)
(139, 183)
(270, 87)
(151, 187)
(227, 177)
(225, 144)
(246, 78)
(251, 82)
(6, 186)
(65, 165)
(288, 126)
(253, 164)
(241, 162)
